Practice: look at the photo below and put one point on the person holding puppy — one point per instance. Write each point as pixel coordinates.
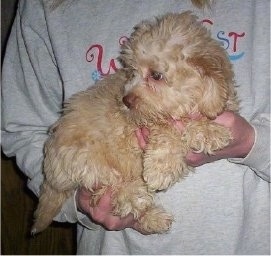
(222, 208)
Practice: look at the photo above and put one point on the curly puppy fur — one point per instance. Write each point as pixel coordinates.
(171, 68)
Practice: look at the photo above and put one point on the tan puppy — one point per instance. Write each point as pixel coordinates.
(171, 69)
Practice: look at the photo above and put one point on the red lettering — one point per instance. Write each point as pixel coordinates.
(235, 37)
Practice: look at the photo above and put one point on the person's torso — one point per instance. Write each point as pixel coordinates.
(216, 208)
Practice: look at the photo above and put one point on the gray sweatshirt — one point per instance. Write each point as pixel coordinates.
(222, 208)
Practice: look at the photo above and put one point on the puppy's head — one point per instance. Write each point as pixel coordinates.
(176, 69)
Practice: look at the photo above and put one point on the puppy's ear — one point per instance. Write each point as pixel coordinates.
(217, 80)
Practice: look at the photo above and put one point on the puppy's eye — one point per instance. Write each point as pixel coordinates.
(156, 76)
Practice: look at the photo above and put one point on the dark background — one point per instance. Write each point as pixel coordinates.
(17, 202)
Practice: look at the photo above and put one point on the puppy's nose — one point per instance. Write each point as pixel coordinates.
(130, 100)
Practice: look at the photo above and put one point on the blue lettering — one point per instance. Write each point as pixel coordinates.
(225, 42)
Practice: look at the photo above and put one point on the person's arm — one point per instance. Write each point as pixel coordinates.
(258, 158)
(250, 145)
(32, 97)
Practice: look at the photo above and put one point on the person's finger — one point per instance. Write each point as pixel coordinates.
(145, 132)
(142, 137)
(177, 124)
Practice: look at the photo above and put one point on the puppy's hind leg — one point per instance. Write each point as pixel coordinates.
(50, 203)
(135, 198)
(131, 197)
(155, 220)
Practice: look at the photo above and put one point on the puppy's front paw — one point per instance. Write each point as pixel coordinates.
(157, 180)
(162, 172)
(207, 137)
(163, 163)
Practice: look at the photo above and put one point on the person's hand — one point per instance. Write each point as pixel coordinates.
(243, 139)
(142, 135)
(102, 212)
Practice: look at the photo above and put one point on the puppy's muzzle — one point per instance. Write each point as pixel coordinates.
(130, 100)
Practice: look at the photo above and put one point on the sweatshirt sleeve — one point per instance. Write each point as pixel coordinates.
(258, 158)
(32, 96)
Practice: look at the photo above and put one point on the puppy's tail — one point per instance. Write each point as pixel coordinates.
(50, 203)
